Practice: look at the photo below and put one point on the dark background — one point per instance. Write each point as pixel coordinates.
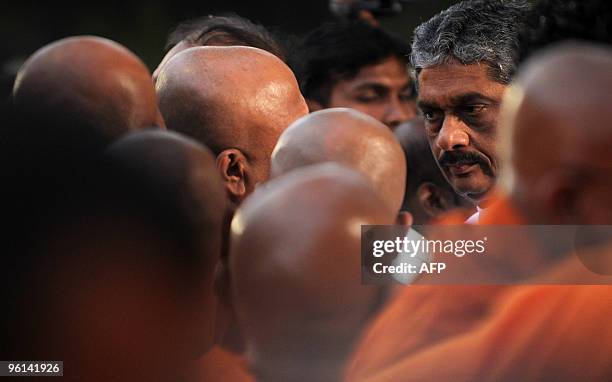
(143, 25)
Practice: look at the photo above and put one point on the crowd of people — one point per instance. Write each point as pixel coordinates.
(203, 222)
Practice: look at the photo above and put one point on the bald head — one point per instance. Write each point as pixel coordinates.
(219, 31)
(181, 171)
(420, 161)
(90, 81)
(141, 233)
(558, 131)
(178, 177)
(348, 137)
(231, 98)
(295, 256)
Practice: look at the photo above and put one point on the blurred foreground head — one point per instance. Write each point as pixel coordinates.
(428, 193)
(91, 85)
(350, 138)
(212, 95)
(295, 257)
(228, 30)
(121, 259)
(559, 130)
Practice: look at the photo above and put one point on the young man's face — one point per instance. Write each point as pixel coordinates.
(383, 91)
(460, 106)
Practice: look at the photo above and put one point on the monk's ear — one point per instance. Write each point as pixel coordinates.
(404, 218)
(431, 199)
(313, 105)
(232, 165)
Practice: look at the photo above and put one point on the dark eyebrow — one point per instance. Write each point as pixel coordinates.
(371, 85)
(462, 99)
(471, 98)
(426, 105)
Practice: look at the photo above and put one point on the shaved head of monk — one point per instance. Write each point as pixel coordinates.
(89, 81)
(558, 134)
(228, 30)
(295, 257)
(348, 137)
(133, 247)
(235, 100)
(174, 167)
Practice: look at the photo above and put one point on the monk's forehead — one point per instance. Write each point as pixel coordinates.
(90, 65)
(94, 53)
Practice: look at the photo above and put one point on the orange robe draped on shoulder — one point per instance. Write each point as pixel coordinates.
(490, 333)
(219, 364)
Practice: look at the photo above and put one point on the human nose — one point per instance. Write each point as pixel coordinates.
(398, 112)
(452, 135)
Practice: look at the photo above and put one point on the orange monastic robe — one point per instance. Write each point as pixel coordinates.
(491, 333)
(221, 365)
(538, 333)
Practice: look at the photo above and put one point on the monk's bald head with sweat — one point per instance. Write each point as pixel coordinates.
(235, 100)
(90, 81)
(556, 150)
(296, 260)
(348, 137)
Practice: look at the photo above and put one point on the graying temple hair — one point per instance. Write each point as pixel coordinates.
(473, 31)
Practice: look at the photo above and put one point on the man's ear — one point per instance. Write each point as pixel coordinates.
(313, 105)
(431, 199)
(404, 218)
(232, 165)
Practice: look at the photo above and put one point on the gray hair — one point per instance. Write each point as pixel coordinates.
(473, 31)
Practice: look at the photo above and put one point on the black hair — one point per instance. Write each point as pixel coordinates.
(553, 21)
(473, 31)
(337, 51)
(225, 30)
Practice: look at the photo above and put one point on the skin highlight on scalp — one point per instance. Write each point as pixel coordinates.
(91, 81)
(300, 302)
(350, 138)
(210, 94)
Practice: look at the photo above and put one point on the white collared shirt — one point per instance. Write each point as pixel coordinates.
(475, 219)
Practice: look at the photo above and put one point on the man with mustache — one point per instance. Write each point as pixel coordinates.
(556, 171)
(464, 59)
